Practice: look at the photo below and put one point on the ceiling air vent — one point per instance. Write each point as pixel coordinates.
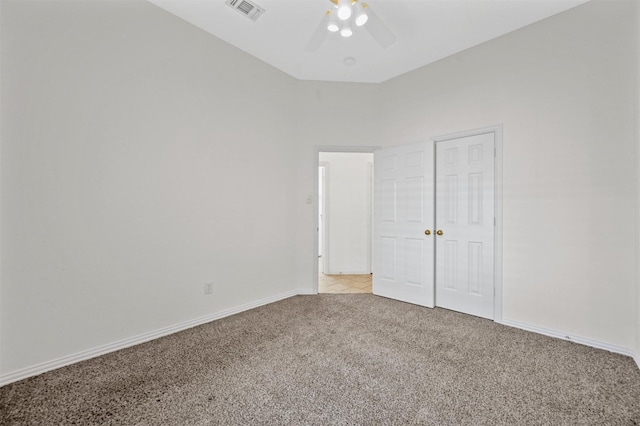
(247, 8)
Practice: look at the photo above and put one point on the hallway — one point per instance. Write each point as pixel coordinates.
(360, 283)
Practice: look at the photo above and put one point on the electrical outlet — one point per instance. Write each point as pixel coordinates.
(208, 288)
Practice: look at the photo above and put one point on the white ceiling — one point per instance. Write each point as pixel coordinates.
(426, 31)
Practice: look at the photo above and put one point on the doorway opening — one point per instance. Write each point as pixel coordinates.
(344, 220)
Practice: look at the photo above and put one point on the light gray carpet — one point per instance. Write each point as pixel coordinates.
(338, 359)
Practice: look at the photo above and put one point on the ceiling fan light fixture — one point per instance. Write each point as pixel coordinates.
(361, 19)
(344, 13)
(344, 9)
(332, 25)
(361, 14)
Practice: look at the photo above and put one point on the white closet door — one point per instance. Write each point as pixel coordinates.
(465, 216)
(403, 257)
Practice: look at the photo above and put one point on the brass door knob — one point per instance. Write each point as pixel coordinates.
(427, 232)
(439, 232)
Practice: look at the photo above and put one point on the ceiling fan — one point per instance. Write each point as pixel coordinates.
(344, 17)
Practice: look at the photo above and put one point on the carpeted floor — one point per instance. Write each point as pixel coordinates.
(343, 359)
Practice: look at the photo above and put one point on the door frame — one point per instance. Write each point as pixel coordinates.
(316, 186)
(497, 204)
(498, 232)
(323, 230)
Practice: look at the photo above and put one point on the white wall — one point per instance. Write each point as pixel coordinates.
(141, 157)
(128, 178)
(327, 115)
(563, 88)
(564, 91)
(637, 121)
(348, 212)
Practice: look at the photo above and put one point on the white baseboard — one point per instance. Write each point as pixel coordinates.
(572, 338)
(24, 373)
(306, 292)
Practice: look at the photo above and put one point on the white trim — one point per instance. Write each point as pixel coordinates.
(572, 338)
(326, 177)
(497, 307)
(497, 197)
(24, 373)
(43, 367)
(370, 217)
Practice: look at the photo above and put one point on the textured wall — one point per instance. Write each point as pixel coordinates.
(563, 89)
(130, 174)
(141, 158)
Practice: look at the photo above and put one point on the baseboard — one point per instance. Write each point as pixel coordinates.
(24, 373)
(572, 338)
(306, 292)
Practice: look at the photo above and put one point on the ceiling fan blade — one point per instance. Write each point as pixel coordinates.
(318, 35)
(378, 30)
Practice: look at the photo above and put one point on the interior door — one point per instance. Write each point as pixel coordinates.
(403, 256)
(465, 224)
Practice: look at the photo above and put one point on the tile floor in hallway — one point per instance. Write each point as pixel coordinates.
(344, 283)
